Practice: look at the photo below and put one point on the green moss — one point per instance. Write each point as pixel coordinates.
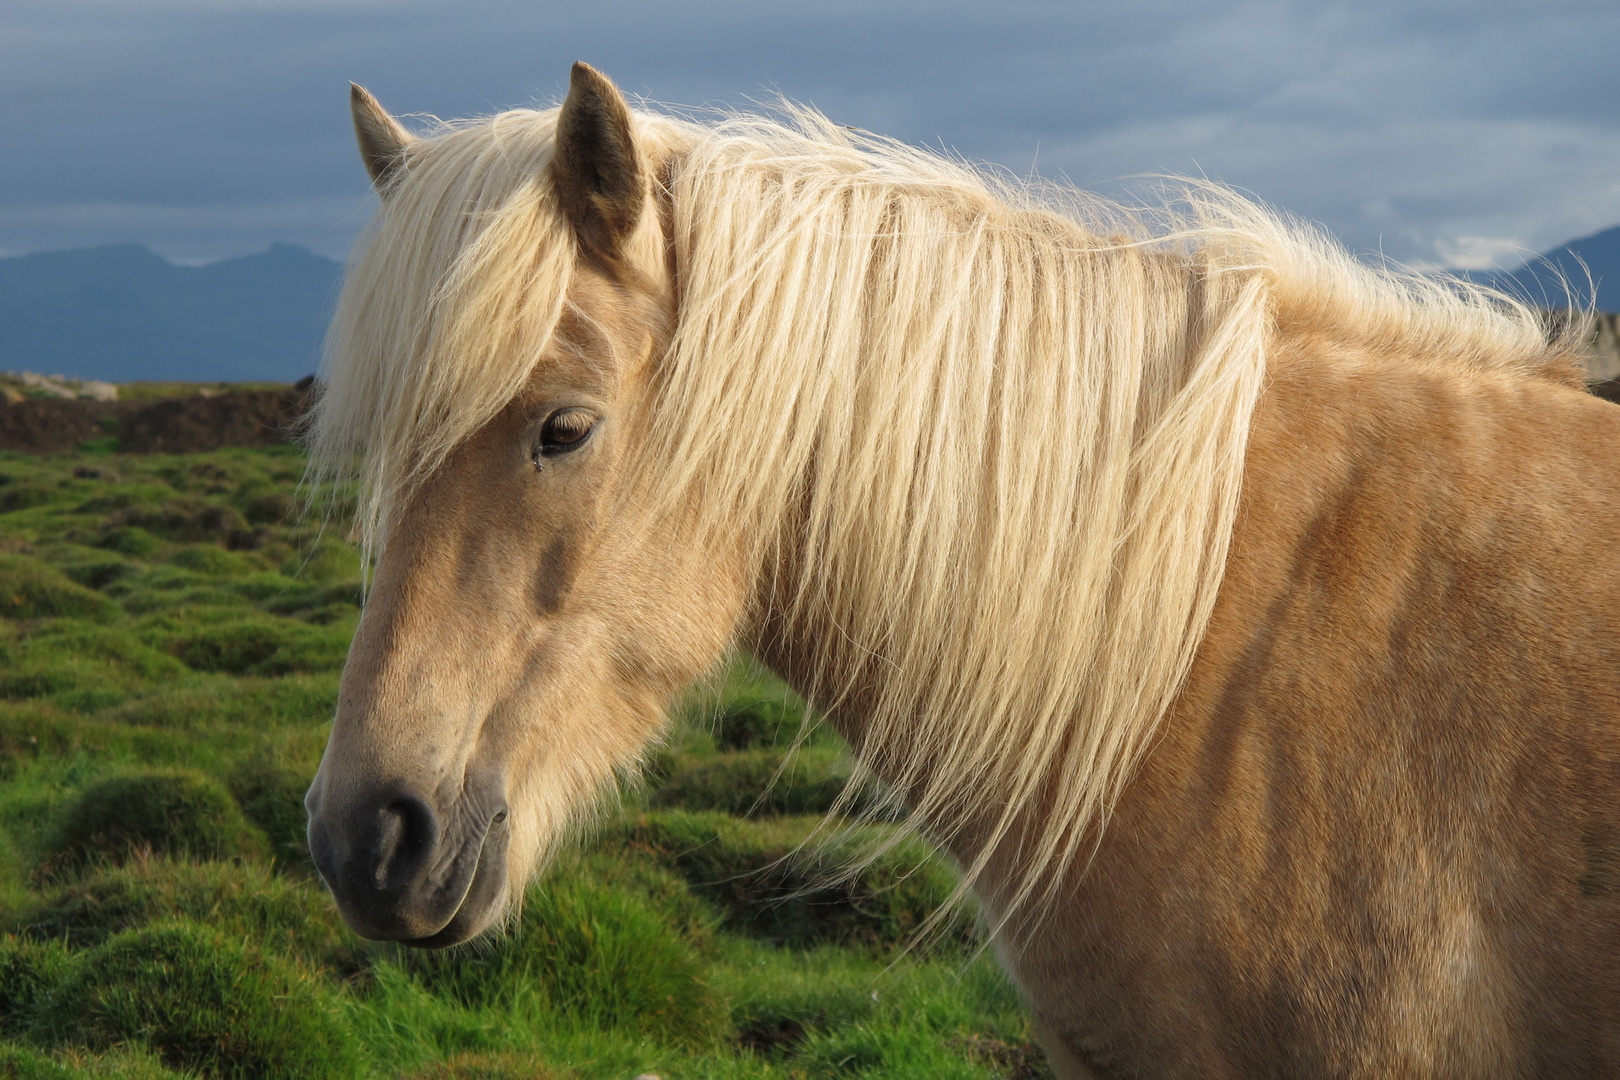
(17, 685)
(119, 648)
(23, 738)
(202, 1000)
(261, 704)
(105, 503)
(321, 605)
(162, 813)
(121, 1063)
(271, 590)
(81, 666)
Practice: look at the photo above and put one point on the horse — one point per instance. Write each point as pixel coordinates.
(1241, 617)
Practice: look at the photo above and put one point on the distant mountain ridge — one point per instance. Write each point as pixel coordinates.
(1591, 263)
(122, 313)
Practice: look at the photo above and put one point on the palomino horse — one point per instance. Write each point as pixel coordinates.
(1244, 620)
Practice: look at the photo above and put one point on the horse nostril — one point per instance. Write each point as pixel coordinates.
(406, 832)
(389, 832)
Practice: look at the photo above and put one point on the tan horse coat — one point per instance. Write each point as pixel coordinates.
(1379, 834)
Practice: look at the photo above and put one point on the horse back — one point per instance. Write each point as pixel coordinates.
(1379, 834)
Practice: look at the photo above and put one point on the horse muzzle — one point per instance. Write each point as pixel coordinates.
(410, 868)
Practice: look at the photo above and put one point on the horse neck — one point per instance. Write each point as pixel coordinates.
(804, 644)
(807, 648)
(816, 657)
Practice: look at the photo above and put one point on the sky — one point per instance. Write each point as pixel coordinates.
(1434, 132)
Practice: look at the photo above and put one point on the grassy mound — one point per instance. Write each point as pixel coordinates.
(508, 1066)
(82, 666)
(131, 540)
(31, 588)
(14, 497)
(294, 917)
(756, 783)
(212, 560)
(160, 813)
(202, 1001)
(29, 970)
(253, 644)
(127, 1063)
(188, 520)
(770, 884)
(270, 789)
(751, 720)
(601, 955)
(22, 1063)
(97, 573)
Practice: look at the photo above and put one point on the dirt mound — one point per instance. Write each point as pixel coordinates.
(173, 425)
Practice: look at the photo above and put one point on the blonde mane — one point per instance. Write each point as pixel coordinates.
(998, 429)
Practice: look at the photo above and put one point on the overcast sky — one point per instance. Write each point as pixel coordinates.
(1440, 132)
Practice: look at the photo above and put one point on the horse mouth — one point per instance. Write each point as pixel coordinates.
(481, 904)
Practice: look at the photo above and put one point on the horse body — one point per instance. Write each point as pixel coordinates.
(1377, 835)
(1359, 820)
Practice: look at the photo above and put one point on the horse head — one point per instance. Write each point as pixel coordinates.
(508, 661)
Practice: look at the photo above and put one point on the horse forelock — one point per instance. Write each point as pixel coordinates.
(998, 429)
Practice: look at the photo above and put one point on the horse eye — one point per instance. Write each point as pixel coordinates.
(564, 430)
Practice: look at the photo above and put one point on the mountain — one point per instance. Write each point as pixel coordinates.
(122, 313)
(1541, 279)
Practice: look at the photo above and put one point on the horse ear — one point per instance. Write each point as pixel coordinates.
(595, 168)
(382, 140)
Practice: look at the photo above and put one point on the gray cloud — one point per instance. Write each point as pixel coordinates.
(1433, 130)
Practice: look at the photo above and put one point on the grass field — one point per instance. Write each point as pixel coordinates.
(170, 641)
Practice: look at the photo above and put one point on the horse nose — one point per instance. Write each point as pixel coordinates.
(398, 868)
